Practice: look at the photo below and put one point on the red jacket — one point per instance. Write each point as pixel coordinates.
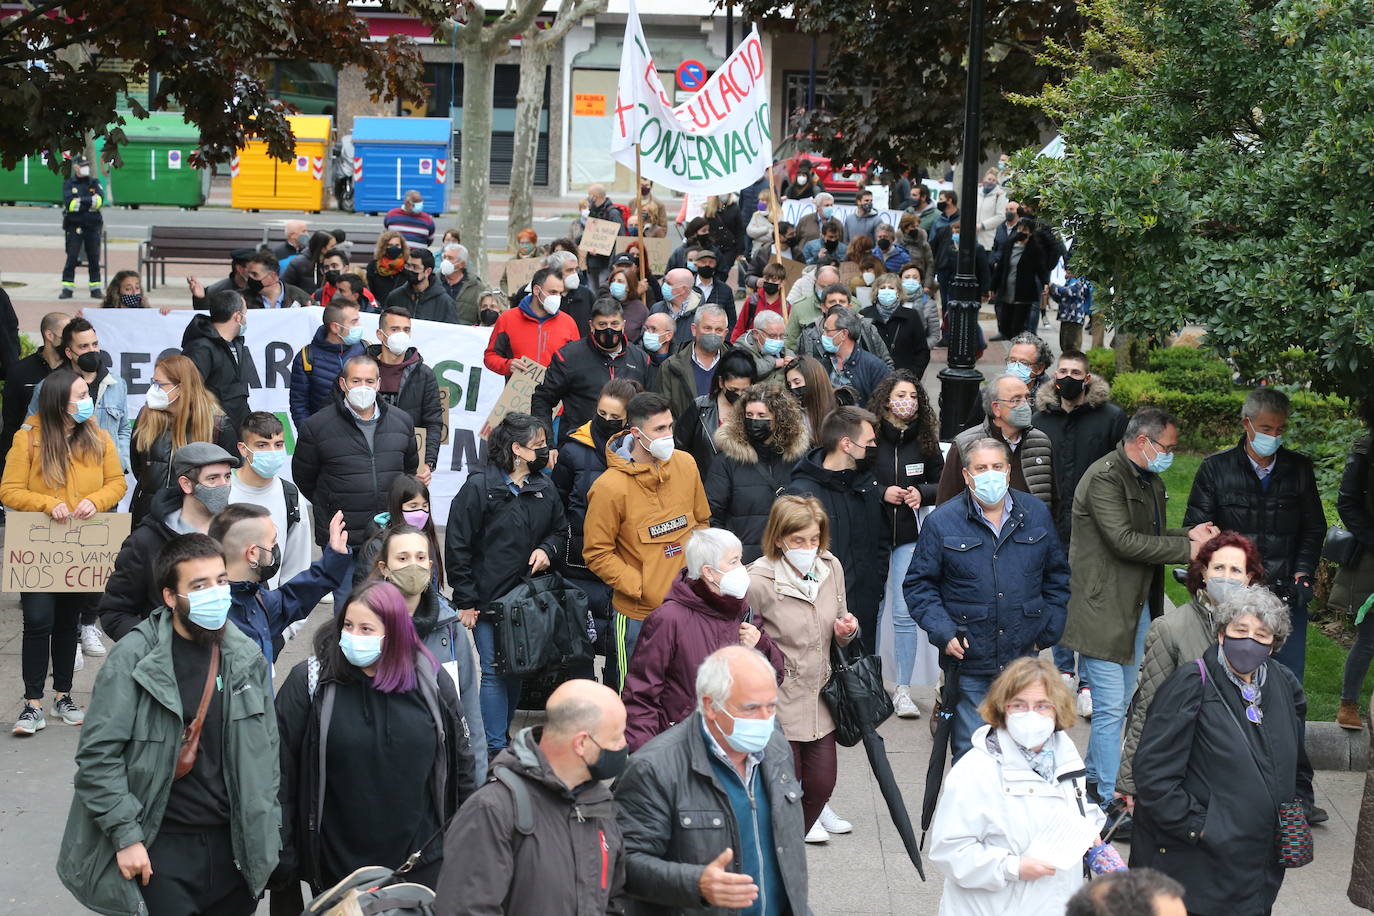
(752, 306)
(517, 333)
(660, 687)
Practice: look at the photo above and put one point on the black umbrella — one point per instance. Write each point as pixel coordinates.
(939, 753)
(896, 805)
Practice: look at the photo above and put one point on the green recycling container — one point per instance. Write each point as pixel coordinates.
(157, 163)
(31, 181)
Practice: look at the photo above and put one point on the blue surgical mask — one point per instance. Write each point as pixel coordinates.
(887, 296)
(667, 291)
(692, 266)
(1161, 462)
(954, 237)
(1020, 370)
(750, 736)
(828, 344)
(828, 212)
(360, 650)
(774, 347)
(209, 607)
(353, 335)
(1265, 444)
(990, 487)
(85, 408)
(911, 287)
(651, 341)
(267, 464)
(418, 207)
(618, 290)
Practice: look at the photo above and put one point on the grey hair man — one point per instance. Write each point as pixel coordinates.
(849, 364)
(1269, 494)
(1006, 403)
(766, 342)
(752, 848)
(577, 295)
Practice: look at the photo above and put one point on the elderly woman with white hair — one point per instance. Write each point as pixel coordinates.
(1220, 753)
(705, 610)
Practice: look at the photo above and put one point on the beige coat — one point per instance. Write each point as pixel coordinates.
(803, 629)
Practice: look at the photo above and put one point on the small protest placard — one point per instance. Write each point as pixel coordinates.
(76, 555)
(518, 273)
(525, 376)
(598, 236)
(794, 270)
(657, 251)
(849, 273)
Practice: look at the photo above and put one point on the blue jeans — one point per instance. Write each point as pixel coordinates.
(972, 689)
(1064, 660)
(1293, 652)
(624, 635)
(905, 633)
(500, 692)
(1112, 686)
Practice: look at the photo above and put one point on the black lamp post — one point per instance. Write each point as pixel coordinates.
(960, 379)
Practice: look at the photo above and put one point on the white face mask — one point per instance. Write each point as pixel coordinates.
(735, 583)
(552, 303)
(869, 277)
(362, 397)
(1030, 729)
(661, 449)
(803, 558)
(157, 399)
(446, 267)
(398, 343)
(572, 281)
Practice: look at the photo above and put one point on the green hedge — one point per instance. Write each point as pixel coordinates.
(1102, 362)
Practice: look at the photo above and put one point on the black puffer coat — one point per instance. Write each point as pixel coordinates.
(335, 468)
(1078, 438)
(492, 532)
(902, 462)
(418, 397)
(223, 365)
(858, 538)
(744, 480)
(905, 336)
(581, 460)
(1285, 521)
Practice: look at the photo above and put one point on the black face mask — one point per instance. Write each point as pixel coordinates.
(706, 271)
(394, 251)
(89, 361)
(832, 244)
(610, 764)
(758, 430)
(731, 396)
(272, 566)
(413, 277)
(799, 392)
(489, 317)
(540, 460)
(1068, 388)
(608, 339)
(884, 244)
(332, 277)
(863, 464)
(771, 288)
(789, 241)
(252, 285)
(603, 428)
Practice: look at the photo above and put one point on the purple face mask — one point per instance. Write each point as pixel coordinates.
(416, 518)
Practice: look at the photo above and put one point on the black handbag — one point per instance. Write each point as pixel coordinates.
(1340, 547)
(540, 622)
(855, 693)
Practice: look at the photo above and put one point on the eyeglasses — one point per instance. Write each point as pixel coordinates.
(1043, 708)
(164, 386)
(1159, 445)
(1014, 402)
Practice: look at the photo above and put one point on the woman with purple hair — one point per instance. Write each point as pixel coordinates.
(395, 762)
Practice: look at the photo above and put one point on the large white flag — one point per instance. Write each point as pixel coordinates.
(716, 142)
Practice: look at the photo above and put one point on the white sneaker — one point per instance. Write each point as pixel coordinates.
(90, 641)
(1085, 703)
(905, 706)
(832, 822)
(80, 660)
(817, 833)
(328, 598)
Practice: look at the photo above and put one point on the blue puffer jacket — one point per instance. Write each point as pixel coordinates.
(313, 389)
(1009, 592)
(263, 614)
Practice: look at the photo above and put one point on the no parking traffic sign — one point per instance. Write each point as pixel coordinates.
(691, 75)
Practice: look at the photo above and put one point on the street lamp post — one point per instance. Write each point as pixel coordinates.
(960, 378)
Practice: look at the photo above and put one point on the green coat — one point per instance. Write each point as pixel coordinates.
(1116, 558)
(127, 755)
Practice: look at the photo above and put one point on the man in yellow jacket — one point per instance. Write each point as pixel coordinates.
(640, 513)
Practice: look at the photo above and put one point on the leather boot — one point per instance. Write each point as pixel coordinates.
(1349, 716)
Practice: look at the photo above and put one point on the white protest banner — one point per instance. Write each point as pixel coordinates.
(794, 210)
(135, 339)
(716, 142)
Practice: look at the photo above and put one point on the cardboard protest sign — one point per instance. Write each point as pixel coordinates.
(76, 555)
(519, 271)
(598, 236)
(656, 251)
(525, 376)
(794, 270)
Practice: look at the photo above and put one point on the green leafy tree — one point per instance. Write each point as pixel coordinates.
(895, 86)
(57, 90)
(1218, 164)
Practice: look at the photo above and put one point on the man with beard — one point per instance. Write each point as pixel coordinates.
(195, 831)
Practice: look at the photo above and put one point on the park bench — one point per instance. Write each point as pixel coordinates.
(192, 245)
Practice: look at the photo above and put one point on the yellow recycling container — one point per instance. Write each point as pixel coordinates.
(260, 182)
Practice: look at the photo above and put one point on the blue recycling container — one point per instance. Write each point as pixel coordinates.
(394, 155)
